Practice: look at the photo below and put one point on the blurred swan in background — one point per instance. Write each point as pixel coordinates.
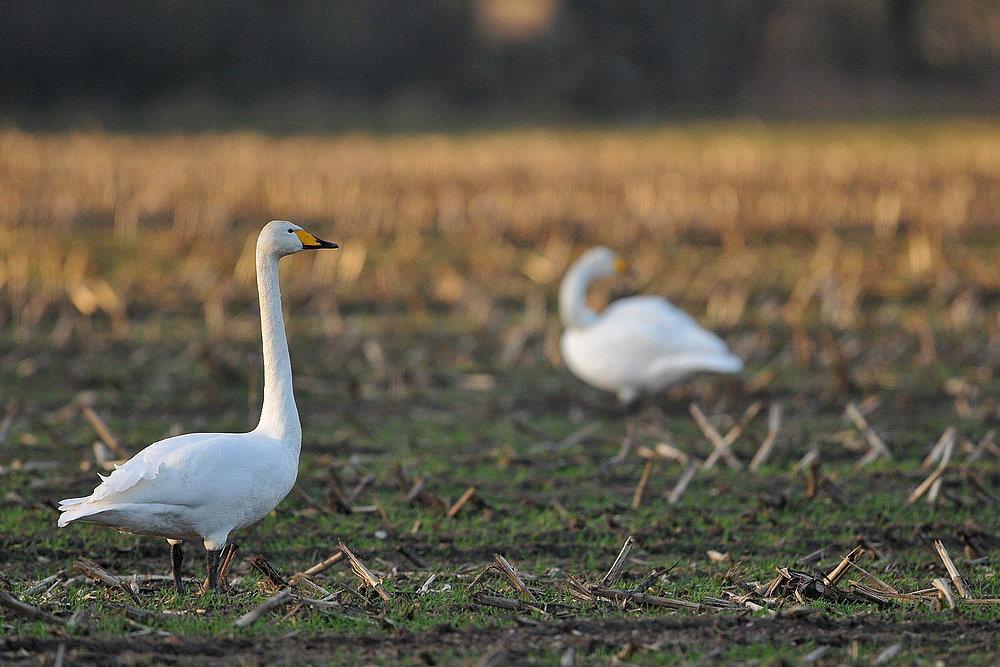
(639, 343)
(206, 485)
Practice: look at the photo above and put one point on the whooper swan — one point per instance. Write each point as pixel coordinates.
(639, 343)
(206, 485)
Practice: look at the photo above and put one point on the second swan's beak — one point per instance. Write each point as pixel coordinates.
(310, 242)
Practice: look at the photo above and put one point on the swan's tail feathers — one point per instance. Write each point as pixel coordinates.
(121, 479)
(707, 363)
(710, 363)
(672, 370)
(728, 363)
(75, 508)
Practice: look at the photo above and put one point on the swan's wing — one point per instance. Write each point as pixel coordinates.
(627, 349)
(650, 309)
(165, 472)
(658, 324)
(644, 343)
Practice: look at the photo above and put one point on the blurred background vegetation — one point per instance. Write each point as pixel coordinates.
(142, 146)
(322, 65)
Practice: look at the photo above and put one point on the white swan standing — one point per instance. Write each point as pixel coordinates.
(639, 343)
(206, 485)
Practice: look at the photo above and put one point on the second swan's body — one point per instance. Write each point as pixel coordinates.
(639, 343)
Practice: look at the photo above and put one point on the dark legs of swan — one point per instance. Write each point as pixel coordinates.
(213, 571)
(176, 558)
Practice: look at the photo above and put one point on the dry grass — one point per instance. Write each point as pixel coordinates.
(651, 184)
(118, 223)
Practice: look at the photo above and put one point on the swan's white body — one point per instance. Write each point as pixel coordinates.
(198, 485)
(639, 343)
(206, 485)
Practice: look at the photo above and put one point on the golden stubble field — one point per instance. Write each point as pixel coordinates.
(723, 218)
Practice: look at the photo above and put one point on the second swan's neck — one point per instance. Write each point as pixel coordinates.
(573, 309)
(279, 417)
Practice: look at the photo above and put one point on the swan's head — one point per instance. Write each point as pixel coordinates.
(285, 238)
(596, 263)
(600, 262)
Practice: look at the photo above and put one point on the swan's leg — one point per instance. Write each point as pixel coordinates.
(176, 559)
(213, 571)
(634, 406)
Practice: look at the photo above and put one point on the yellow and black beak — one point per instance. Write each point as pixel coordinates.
(310, 242)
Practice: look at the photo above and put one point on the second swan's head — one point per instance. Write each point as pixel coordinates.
(595, 263)
(599, 262)
(285, 238)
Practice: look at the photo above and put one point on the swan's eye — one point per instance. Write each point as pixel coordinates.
(290, 231)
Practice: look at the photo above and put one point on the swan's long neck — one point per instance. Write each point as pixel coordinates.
(278, 417)
(573, 309)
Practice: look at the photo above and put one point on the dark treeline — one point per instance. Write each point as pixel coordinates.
(617, 59)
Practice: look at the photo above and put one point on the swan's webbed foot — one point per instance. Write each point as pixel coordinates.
(176, 559)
